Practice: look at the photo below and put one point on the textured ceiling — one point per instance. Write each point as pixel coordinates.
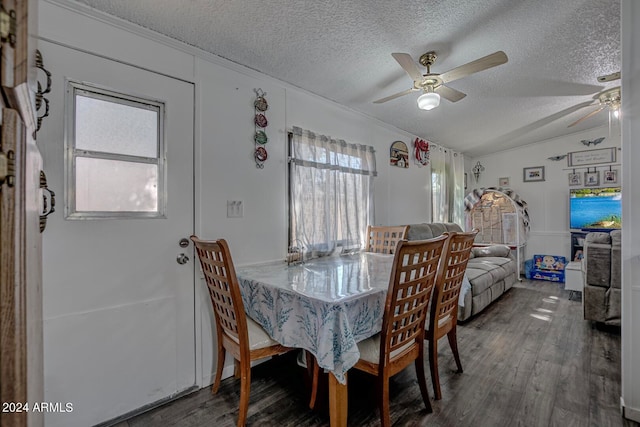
(341, 50)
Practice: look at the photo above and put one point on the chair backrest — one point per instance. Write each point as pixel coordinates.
(383, 239)
(413, 277)
(444, 307)
(220, 276)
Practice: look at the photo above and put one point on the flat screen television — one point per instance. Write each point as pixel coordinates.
(595, 208)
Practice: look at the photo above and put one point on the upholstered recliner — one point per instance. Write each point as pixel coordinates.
(602, 270)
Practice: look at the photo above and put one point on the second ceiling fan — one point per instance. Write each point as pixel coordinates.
(432, 84)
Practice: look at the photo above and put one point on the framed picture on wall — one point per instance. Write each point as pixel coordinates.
(575, 179)
(610, 177)
(532, 174)
(592, 179)
(504, 181)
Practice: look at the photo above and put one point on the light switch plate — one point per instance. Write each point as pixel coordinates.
(235, 209)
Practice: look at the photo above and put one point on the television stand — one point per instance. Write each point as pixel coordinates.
(577, 243)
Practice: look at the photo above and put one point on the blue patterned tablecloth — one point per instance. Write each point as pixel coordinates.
(325, 306)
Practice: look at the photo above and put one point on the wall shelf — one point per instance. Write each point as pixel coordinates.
(602, 166)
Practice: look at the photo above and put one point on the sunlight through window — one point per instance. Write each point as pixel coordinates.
(541, 317)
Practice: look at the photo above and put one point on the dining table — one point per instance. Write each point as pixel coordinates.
(325, 306)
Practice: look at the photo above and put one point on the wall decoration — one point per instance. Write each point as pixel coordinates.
(260, 122)
(532, 174)
(503, 181)
(421, 152)
(610, 177)
(558, 157)
(592, 157)
(592, 179)
(465, 180)
(575, 179)
(399, 154)
(40, 98)
(477, 169)
(594, 142)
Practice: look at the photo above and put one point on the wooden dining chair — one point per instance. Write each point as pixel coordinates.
(401, 340)
(384, 239)
(443, 316)
(237, 333)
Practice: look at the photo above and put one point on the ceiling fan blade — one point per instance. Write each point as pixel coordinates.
(481, 64)
(395, 95)
(591, 114)
(449, 93)
(406, 62)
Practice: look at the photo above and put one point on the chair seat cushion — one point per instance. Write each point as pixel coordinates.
(370, 349)
(258, 337)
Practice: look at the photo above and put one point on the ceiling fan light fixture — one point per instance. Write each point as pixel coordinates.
(428, 101)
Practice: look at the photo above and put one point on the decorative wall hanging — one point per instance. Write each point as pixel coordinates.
(592, 157)
(594, 142)
(575, 178)
(592, 179)
(421, 152)
(477, 169)
(556, 158)
(260, 121)
(503, 181)
(532, 174)
(610, 176)
(399, 155)
(41, 92)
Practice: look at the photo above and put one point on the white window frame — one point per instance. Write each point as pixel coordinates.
(72, 153)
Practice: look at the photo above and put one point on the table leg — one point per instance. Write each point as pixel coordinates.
(337, 402)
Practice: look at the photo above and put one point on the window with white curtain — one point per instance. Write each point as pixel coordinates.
(330, 193)
(447, 185)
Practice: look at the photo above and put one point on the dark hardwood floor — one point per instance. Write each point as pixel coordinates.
(529, 360)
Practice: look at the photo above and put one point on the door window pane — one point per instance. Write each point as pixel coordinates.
(112, 185)
(115, 166)
(103, 125)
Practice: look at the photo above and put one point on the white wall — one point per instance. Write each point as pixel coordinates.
(548, 201)
(227, 170)
(224, 165)
(631, 210)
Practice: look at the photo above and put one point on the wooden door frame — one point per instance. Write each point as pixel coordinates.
(21, 367)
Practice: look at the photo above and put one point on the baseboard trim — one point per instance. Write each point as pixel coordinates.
(629, 413)
(148, 407)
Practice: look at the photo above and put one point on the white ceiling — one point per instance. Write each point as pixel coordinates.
(341, 50)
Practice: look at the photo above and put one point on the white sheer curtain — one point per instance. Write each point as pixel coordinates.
(447, 185)
(331, 193)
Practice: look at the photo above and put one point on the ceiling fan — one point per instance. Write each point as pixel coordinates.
(609, 98)
(433, 85)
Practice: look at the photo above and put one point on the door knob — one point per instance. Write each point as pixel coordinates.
(182, 259)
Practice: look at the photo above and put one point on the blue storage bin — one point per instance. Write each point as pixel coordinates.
(528, 268)
(547, 267)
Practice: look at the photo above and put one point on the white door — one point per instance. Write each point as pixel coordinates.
(118, 307)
